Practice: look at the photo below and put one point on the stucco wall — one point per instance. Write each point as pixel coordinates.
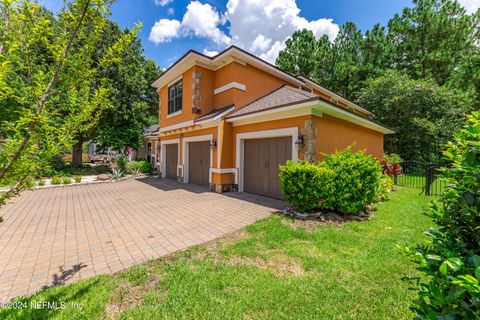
(336, 134)
(258, 83)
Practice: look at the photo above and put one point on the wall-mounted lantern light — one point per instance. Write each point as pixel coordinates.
(300, 143)
(213, 144)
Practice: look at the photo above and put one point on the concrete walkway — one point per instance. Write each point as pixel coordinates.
(59, 235)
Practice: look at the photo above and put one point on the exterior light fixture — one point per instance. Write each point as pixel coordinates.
(300, 143)
(213, 144)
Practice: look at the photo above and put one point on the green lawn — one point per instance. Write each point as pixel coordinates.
(276, 268)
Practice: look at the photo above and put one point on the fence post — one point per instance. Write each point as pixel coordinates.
(429, 178)
(395, 178)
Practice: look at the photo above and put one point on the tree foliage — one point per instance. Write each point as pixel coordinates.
(434, 42)
(300, 54)
(47, 92)
(134, 102)
(452, 260)
(432, 39)
(423, 114)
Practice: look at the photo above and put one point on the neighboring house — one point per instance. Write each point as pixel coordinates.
(230, 120)
(150, 147)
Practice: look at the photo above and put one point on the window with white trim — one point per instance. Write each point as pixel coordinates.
(175, 92)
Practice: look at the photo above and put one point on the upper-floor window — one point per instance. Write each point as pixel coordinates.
(175, 97)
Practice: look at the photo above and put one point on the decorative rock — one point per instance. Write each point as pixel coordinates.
(102, 177)
(331, 216)
(353, 217)
(364, 213)
(302, 216)
(316, 215)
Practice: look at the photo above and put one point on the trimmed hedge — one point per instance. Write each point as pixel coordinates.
(305, 185)
(357, 179)
(345, 182)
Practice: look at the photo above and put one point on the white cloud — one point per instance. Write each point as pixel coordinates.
(263, 26)
(162, 3)
(164, 30)
(203, 21)
(470, 5)
(200, 20)
(170, 11)
(260, 43)
(259, 26)
(210, 53)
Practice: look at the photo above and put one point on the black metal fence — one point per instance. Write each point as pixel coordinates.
(420, 175)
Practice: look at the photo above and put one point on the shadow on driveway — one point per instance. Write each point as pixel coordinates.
(63, 276)
(170, 185)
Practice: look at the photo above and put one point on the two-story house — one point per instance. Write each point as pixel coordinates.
(230, 120)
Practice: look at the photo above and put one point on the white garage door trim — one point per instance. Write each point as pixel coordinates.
(276, 133)
(163, 154)
(205, 137)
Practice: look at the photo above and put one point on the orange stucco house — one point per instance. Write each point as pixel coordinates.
(229, 121)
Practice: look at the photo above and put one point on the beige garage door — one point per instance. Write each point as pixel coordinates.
(262, 158)
(171, 155)
(199, 162)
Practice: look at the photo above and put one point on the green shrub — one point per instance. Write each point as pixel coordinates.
(101, 168)
(116, 174)
(136, 171)
(356, 180)
(29, 183)
(66, 180)
(57, 163)
(392, 158)
(305, 185)
(77, 179)
(88, 169)
(385, 186)
(121, 162)
(142, 166)
(41, 182)
(452, 259)
(345, 182)
(56, 180)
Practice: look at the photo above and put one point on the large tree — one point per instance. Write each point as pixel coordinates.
(423, 114)
(133, 102)
(46, 87)
(300, 54)
(435, 42)
(432, 38)
(342, 65)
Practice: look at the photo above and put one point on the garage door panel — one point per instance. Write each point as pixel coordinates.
(171, 157)
(262, 158)
(199, 162)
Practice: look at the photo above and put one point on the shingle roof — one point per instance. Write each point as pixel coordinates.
(283, 96)
(150, 130)
(214, 113)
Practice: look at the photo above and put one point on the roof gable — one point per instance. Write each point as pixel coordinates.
(283, 96)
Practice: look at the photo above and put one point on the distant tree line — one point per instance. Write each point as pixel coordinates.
(418, 75)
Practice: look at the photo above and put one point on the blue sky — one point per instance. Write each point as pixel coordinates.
(172, 27)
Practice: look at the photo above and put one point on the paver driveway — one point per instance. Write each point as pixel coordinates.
(59, 235)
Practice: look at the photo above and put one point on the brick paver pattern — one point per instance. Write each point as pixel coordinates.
(59, 235)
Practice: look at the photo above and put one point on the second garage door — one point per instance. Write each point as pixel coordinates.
(199, 162)
(262, 158)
